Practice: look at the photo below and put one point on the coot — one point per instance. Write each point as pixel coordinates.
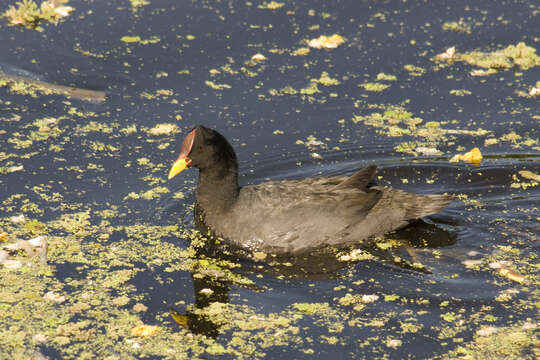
(293, 216)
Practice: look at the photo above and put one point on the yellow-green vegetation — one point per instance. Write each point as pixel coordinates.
(272, 5)
(327, 42)
(376, 87)
(122, 253)
(217, 86)
(27, 13)
(414, 70)
(34, 88)
(395, 121)
(137, 39)
(458, 26)
(386, 77)
(513, 343)
(519, 56)
(311, 89)
(326, 80)
(460, 92)
(136, 4)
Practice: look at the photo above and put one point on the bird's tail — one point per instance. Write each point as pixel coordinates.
(418, 206)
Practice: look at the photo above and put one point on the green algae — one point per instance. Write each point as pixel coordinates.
(457, 26)
(217, 86)
(512, 342)
(137, 39)
(519, 55)
(32, 87)
(375, 87)
(136, 4)
(386, 77)
(460, 92)
(414, 70)
(29, 15)
(396, 121)
(326, 80)
(108, 316)
(311, 89)
(272, 5)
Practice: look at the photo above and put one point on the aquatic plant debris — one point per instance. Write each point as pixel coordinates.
(137, 39)
(520, 55)
(474, 156)
(163, 129)
(326, 42)
(272, 5)
(28, 86)
(144, 330)
(122, 249)
(29, 15)
(529, 175)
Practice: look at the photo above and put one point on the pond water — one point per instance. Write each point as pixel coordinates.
(90, 174)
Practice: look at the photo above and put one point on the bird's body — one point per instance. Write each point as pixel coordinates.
(295, 216)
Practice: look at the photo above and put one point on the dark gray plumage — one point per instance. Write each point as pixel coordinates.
(295, 216)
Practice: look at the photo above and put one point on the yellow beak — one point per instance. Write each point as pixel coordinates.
(178, 166)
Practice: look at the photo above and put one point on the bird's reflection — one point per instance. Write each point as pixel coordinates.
(322, 264)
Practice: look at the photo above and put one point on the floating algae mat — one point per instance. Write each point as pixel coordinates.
(99, 256)
(22, 85)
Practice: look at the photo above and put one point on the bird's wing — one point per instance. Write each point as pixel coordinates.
(359, 180)
(338, 196)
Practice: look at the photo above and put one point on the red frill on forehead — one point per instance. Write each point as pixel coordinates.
(187, 144)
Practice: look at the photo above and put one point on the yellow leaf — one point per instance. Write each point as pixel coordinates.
(144, 330)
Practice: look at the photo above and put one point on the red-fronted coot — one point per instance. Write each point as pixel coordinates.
(293, 216)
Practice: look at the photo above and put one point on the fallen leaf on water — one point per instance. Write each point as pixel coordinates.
(180, 319)
(18, 219)
(511, 275)
(393, 343)
(487, 330)
(54, 297)
(480, 72)
(15, 168)
(34, 247)
(144, 330)
(206, 291)
(39, 338)
(3, 256)
(163, 129)
(474, 157)
(447, 55)
(258, 57)
(259, 255)
(471, 263)
(499, 264)
(529, 325)
(428, 151)
(12, 264)
(529, 175)
(326, 42)
(369, 298)
(138, 307)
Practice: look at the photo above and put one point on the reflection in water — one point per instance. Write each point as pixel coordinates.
(323, 264)
(207, 291)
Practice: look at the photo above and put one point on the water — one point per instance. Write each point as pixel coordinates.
(93, 155)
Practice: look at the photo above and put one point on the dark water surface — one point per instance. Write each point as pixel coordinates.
(94, 179)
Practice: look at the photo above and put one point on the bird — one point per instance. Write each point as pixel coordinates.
(293, 217)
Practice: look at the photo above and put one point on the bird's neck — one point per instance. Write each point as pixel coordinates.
(217, 189)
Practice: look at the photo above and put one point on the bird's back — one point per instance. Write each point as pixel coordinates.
(295, 216)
